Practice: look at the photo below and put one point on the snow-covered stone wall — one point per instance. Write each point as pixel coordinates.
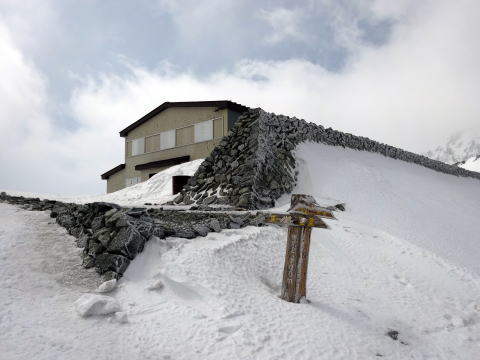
(112, 236)
(255, 164)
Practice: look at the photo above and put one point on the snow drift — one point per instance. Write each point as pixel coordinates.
(157, 189)
(402, 258)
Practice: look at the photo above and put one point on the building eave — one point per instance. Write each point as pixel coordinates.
(219, 104)
(110, 172)
(162, 163)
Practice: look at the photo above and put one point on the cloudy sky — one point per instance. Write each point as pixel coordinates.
(74, 73)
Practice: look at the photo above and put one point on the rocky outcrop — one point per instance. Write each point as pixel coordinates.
(254, 165)
(112, 236)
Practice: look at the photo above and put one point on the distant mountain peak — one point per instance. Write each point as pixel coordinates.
(460, 146)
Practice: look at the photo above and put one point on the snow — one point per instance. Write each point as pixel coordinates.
(107, 286)
(93, 304)
(156, 190)
(472, 164)
(402, 258)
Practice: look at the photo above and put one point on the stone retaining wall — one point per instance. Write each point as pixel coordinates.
(111, 236)
(254, 165)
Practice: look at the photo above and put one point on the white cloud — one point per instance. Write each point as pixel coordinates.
(285, 24)
(412, 92)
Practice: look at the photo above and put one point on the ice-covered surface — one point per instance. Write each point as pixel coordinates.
(400, 258)
(157, 189)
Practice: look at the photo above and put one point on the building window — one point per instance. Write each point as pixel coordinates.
(132, 181)
(203, 131)
(138, 146)
(167, 139)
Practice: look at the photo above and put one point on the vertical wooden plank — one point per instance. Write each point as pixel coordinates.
(302, 289)
(290, 269)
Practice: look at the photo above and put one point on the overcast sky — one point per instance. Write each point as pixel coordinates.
(74, 73)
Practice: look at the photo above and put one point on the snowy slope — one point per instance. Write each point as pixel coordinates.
(403, 256)
(458, 148)
(157, 189)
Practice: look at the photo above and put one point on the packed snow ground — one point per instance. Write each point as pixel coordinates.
(403, 256)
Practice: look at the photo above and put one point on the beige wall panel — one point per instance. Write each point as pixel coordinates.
(116, 181)
(152, 143)
(184, 136)
(129, 148)
(196, 151)
(218, 128)
(174, 118)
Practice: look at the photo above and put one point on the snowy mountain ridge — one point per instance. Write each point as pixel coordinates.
(460, 147)
(472, 163)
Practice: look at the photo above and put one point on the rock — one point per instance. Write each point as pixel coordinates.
(201, 229)
(145, 228)
(236, 219)
(76, 231)
(111, 262)
(102, 207)
(109, 275)
(88, 262)
(178, 199)
(94, 304)
(66, 220)
(110, 220)
(392, 334)
(340, 207)
(81, 241)
(128, 242)
(158, 231)
(97, 223)
(243, 201)
(95, 248)
(214, 224)
(136, 212)
(209, 200)
(103, 236)
(123, 221)
(185, 233)
(110, 213)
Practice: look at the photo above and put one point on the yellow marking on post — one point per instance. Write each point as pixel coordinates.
(311, 222)
(315, 212)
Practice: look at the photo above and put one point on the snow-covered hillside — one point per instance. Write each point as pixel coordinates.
(402, 257)
(459, 147)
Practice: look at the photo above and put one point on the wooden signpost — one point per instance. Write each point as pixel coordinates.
(304, 213)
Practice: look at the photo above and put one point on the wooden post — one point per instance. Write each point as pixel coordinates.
(294, 285)
(304, 214)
